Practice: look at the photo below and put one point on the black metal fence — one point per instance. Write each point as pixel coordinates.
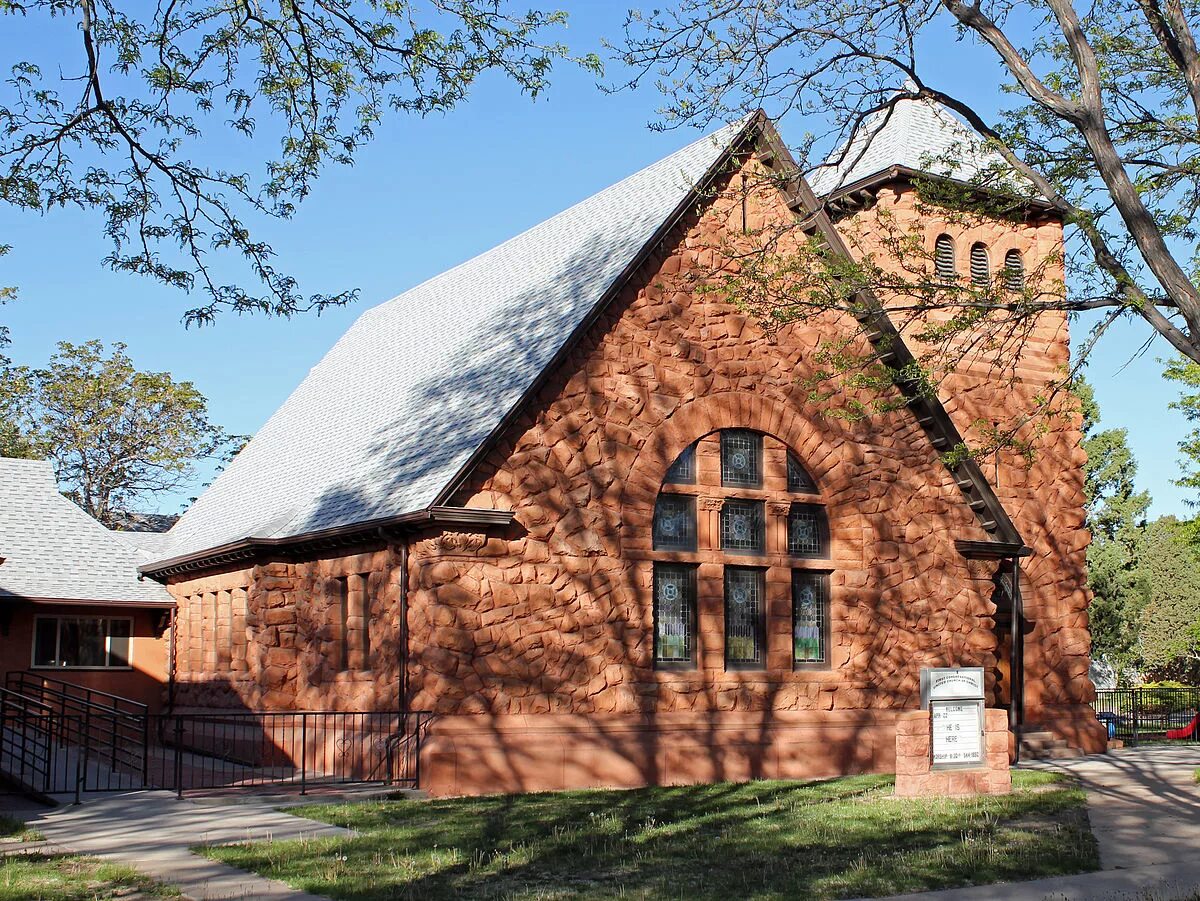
(58, 738)
(1136, 715)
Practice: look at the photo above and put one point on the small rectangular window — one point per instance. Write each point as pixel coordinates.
(675, 523)
(82, 642)
(745, 619)
(683, 470)
(741, 459)
(674, 615)
(810, 618)
(742, 526)
(807, 531)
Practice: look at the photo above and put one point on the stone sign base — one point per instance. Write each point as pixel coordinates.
(915, 777)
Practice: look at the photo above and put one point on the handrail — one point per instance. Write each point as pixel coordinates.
(67, 688)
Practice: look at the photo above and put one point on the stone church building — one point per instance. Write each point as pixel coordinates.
(590, 516)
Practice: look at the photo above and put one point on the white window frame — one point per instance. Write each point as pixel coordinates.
(58, 618)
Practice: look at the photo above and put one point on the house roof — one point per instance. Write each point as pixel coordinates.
(397, 407)
(381, 430)
(55, 551)
(918, 135)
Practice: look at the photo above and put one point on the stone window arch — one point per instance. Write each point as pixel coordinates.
(981, 267)
(742, 504)
(943, 257)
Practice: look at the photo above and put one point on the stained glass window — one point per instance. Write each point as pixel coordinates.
(806, 531)
(798, 478)
(744, 595)
(808, 617)
(674, 613)
(683, 470)
(741, 459)
(742, 526)
(675, 523)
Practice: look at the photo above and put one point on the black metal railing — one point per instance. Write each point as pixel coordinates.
(58, 742)
(98, 740)
(26, 743)
(1137, 715)
(303, 749)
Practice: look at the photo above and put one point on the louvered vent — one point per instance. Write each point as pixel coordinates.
(1014, 271)
(943, 257)
(979, 265)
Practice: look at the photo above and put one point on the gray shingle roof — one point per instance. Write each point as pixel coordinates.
(916, 134)
(55, 550)
(386, 420)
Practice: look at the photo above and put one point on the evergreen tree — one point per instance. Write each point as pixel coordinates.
(1169, 610)
(1116, 516)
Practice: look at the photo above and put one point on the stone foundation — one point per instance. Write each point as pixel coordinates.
(473, 755)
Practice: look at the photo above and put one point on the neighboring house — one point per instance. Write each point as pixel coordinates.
(72, 606)
(592, 518)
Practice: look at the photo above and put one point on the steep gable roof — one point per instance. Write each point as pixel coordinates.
(918, 135)
(400, 403)
(55, 551)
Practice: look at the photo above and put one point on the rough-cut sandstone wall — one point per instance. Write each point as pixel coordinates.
(1043, 495)
(273, 637)
(534, 647)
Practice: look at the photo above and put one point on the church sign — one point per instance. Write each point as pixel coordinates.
(954, 697)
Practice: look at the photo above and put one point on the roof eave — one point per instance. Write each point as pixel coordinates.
(908, 174)
(251, 547)
(86, 602)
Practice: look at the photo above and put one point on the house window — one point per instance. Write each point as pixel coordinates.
(741, 459)
(810, 618)
(980, 267)
(1014, 271)
(674, 615)
(675, 523)
(745, 593)
(82, 642)
(943, 257)
(760, 503)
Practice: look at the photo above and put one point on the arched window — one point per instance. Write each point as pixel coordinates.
(1014, 271)
(742, 500)
(980, 268)
(943, 257)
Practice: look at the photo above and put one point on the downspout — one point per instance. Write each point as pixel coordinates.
(1016, 659)
(402, 684)
(171, 662)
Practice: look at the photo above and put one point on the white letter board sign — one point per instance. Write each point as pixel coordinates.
(954, 697)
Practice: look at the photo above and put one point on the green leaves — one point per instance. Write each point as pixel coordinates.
(117, 436)
(126, 137)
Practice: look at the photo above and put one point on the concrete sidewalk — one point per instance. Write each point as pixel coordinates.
(1144, 807)
(152, 832)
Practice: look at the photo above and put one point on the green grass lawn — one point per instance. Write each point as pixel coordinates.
(836, 838)
(72, 878)
(65, 877)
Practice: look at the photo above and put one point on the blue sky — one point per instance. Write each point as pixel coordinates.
(425, 195)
